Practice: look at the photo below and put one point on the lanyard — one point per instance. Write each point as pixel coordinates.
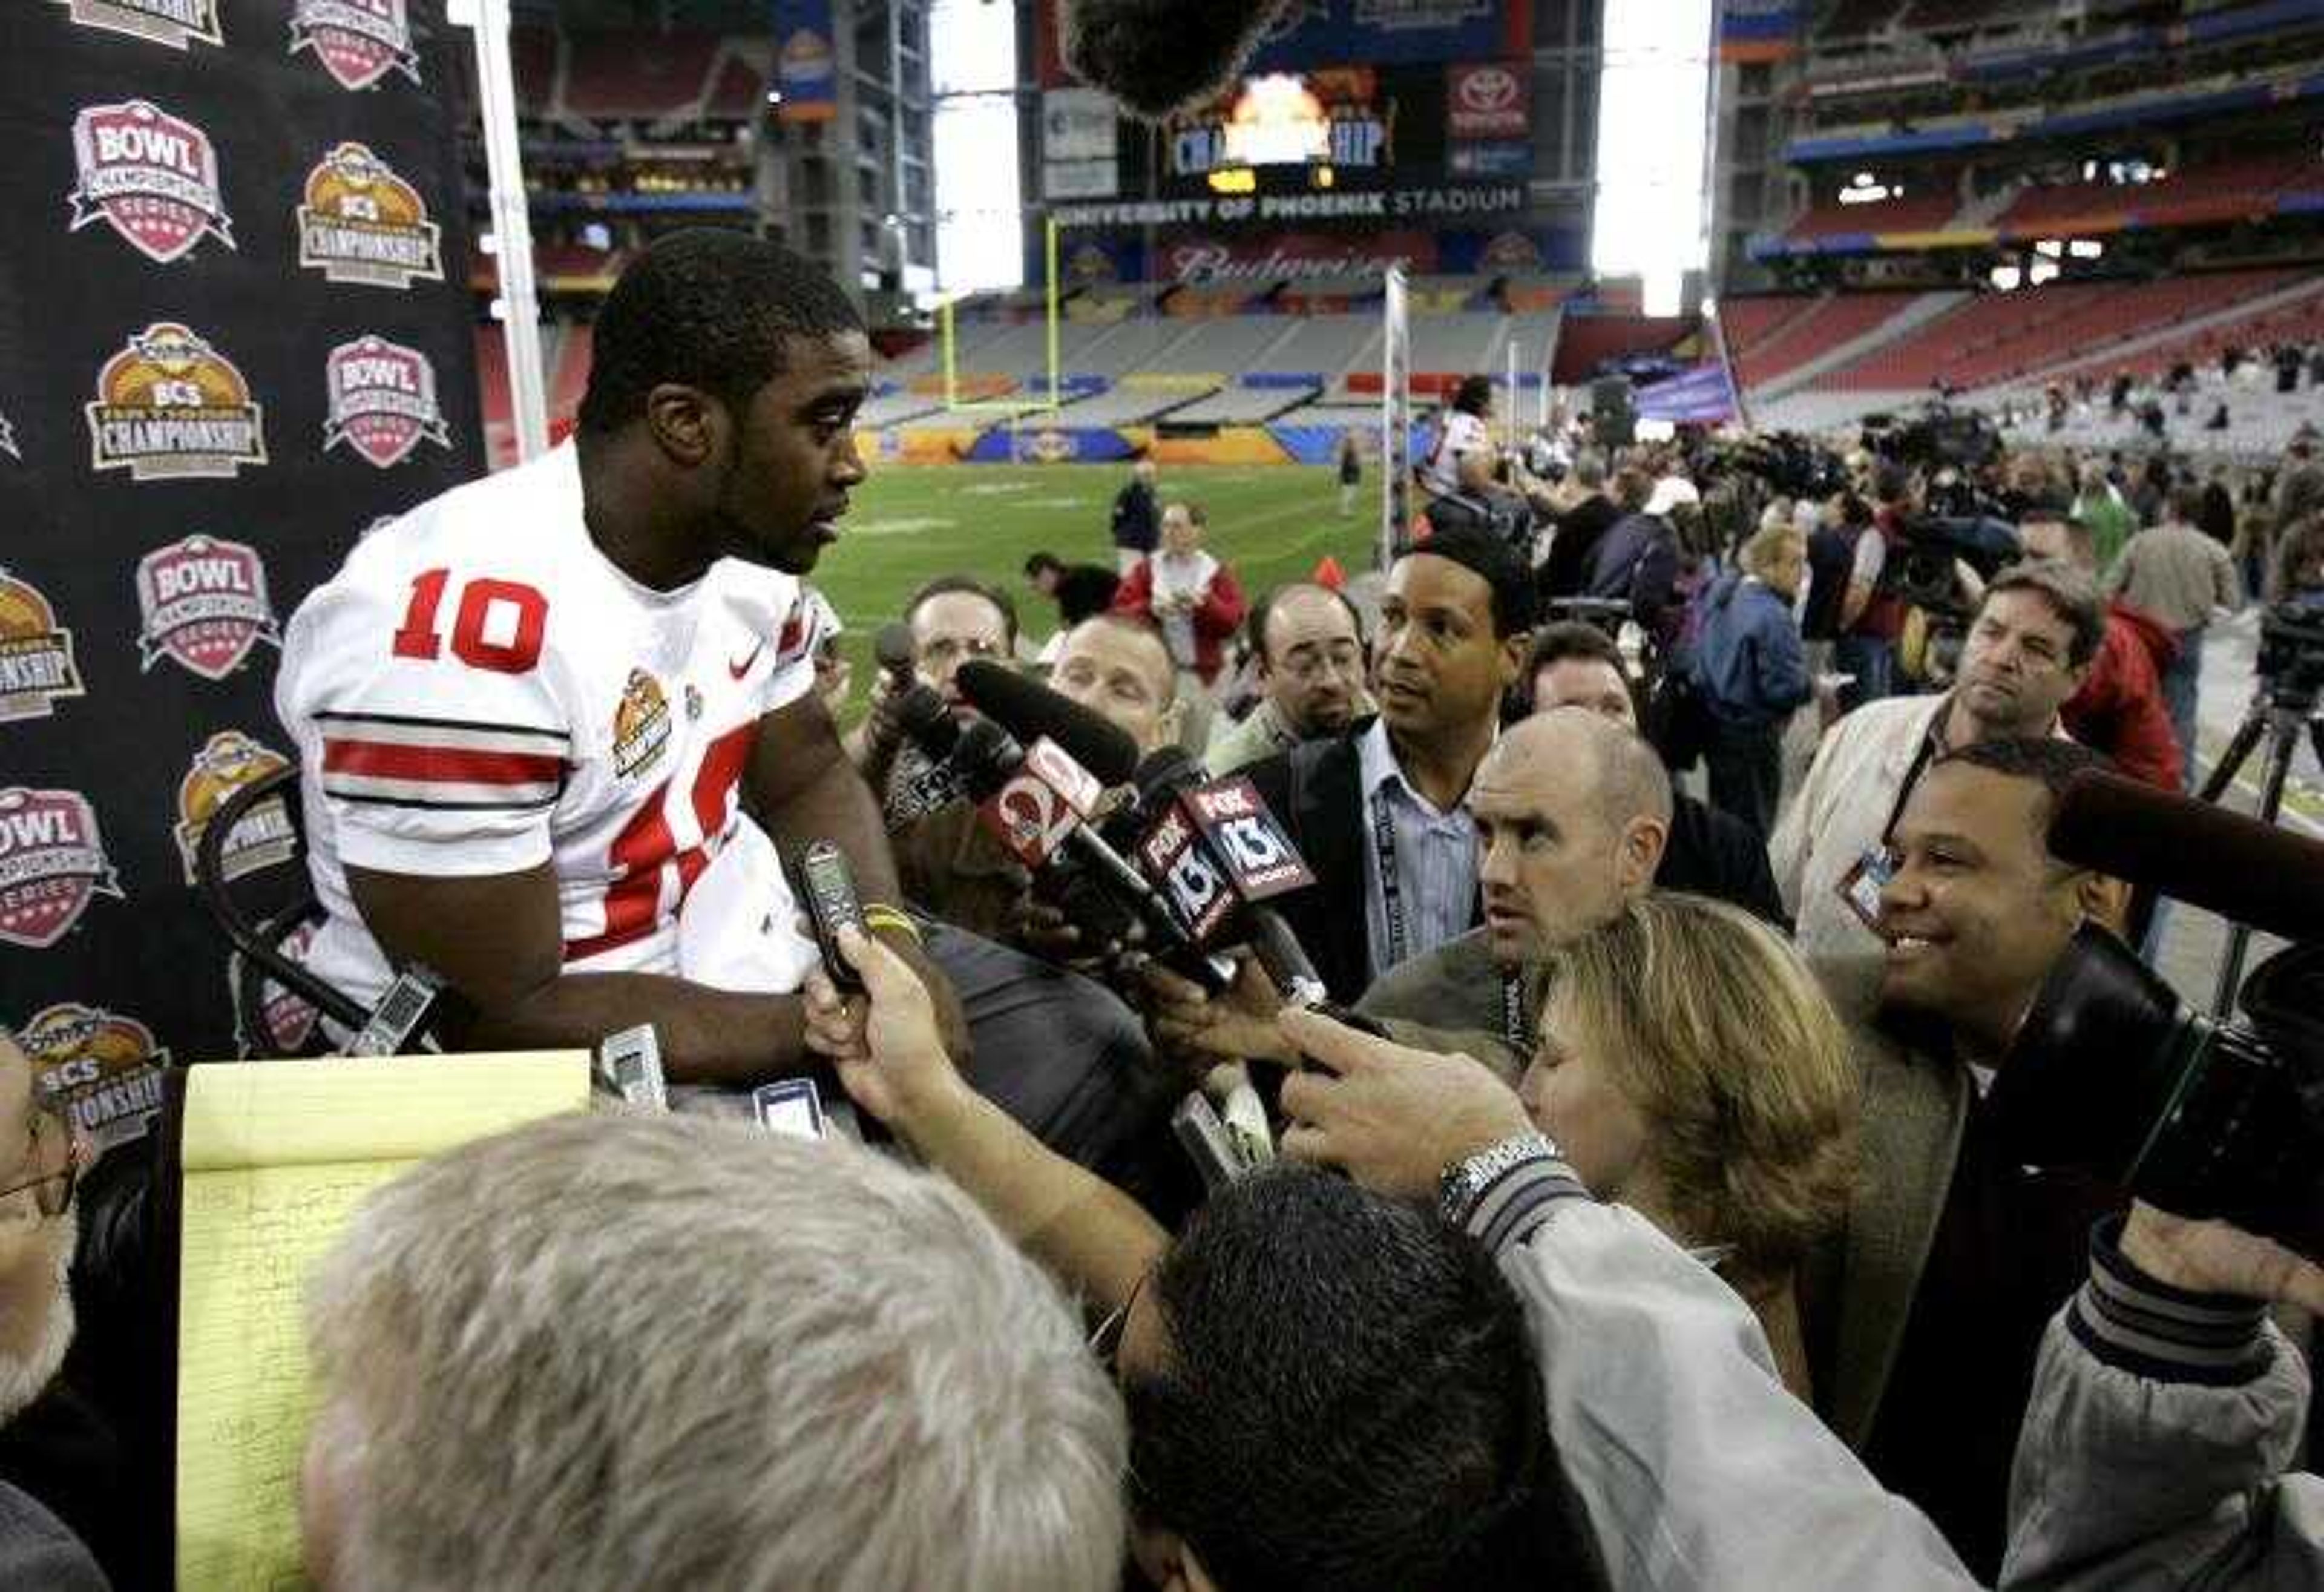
(1931, 743)
(1391, 891)
(1514, 1026)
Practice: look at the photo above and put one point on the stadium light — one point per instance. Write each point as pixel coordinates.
(2042, 271)
(2007, 278)
(2085, 248)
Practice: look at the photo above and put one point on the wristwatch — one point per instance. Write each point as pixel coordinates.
(1464, 1182)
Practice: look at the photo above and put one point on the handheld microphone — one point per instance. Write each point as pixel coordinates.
(1027, 710)
(1216, 852)
(1155, 56)
(929, 724)
(2249, 872)
(893, 649)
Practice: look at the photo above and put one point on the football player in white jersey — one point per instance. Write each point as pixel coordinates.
(538, 715)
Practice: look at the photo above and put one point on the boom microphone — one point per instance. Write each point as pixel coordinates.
(2237, 867)
(1028, 711)
(1156, 56)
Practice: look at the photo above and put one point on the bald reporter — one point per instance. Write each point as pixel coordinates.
(657, 1354)
(2164, 1409)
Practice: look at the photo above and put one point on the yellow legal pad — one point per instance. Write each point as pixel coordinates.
(277, 1154)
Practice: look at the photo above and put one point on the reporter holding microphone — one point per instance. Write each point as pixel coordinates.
(1328, 1391)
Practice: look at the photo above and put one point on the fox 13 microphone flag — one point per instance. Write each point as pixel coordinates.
(236, 331)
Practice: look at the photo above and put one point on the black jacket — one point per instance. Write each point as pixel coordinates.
(1316, 791)
(1715, 854)
(1578, 531)
(1137, 518)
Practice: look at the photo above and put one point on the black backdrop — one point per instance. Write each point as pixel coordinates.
(142, 602)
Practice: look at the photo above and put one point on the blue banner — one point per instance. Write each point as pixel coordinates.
(1704, 395)
(1032, 444)
(806, 61)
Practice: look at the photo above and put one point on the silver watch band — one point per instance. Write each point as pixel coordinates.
(1465, 1182)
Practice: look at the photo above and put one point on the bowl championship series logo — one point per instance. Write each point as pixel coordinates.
(52, 865)
(382, 400)
(358, 41)
(359, 222)
(169, 406)
(262, 836)
(103, 1070)
(641, 724)
(204, 602)
(36, 653)
(153, 176)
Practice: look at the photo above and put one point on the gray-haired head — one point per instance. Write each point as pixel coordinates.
(641, 1352)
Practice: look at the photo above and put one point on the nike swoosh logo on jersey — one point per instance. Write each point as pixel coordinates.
(739, 670)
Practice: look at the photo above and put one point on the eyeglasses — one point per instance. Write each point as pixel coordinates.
(52, 1191)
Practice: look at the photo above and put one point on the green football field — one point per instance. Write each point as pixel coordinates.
(911, 522)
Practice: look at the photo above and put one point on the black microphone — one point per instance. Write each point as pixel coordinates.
(1216, 852)
(1032, 714)
(897, 655)
(928, 722)
(2245, 870)
(1028, 711)
(1156, 56)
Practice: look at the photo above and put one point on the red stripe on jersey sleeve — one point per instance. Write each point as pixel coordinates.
(448, 765)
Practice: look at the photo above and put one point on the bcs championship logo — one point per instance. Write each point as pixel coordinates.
(263, 836)
(153, 176)
(36, 653)
(283, 1022)
(165, 22)
(641, 724)
(205, 603)
(358, 41)
(101, 1069)
(382, 400)
(170, 406)
(360, 222)
(51, 864)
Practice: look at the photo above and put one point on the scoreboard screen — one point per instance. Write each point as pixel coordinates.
(1334, 127)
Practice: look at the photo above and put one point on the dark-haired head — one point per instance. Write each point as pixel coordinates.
(725, 378)
(1474, 395)
(1332, 1390)
(710, 308)
(1493, 559)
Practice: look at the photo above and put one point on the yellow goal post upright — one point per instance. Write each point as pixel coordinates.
(1010, 411)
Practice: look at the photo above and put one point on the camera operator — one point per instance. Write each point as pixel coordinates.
(2165, 1408)
(1327, 1389)
(1957, 1255)
(2028, 650)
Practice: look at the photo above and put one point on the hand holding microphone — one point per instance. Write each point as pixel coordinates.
(900, 1072)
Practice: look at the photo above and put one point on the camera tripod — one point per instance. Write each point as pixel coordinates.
(2279, 710)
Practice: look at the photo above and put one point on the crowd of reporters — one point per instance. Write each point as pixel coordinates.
(1636, 1216)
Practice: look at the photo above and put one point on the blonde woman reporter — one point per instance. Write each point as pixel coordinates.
(1692, 1068)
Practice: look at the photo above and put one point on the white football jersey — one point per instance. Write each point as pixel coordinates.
(479, 691)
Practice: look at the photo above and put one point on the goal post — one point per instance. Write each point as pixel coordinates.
(947, 337)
